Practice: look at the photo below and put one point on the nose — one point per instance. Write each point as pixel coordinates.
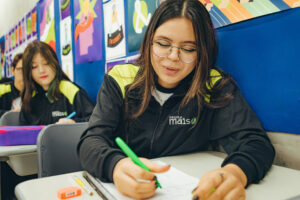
(41, 69)
(174, 54)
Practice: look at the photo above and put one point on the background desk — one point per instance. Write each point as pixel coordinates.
(279, 184)
(22, 159)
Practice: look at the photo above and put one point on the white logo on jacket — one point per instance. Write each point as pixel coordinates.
(59, 114)
(179, 120)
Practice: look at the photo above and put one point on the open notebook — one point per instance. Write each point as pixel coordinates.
(175, 185)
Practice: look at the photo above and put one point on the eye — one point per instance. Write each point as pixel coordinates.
(34, 66)
(188, 49)
(163, 44)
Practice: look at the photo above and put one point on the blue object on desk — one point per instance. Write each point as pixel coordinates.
(71, 115)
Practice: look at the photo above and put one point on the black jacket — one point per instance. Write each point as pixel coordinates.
(167, 130)
(8, 93)
(44, 112)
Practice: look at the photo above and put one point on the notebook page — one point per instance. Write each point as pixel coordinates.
(175, 185)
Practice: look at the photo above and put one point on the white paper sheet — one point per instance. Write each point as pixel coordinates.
(175, 185)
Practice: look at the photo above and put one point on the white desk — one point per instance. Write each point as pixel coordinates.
(279, 184)
(22, 159)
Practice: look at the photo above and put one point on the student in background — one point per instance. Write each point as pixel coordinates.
(10, 91)
(49, 96)
(175, 101)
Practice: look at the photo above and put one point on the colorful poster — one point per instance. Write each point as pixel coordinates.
(13, 39)
(224, 12)
(23, 27)
(88, 30)
(20, 33)
(6, 43)
(2, 56)
(139, 15)
(17, 36)
(111, 63)
(46, 20)
(28, 26)
(33, 22)
(114, 27)
(9, 41)
(292, 3)
(65, 8)
(66, 46)
(8, 62)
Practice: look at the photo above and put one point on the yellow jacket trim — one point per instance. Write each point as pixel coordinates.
(124, 75)
(69, 90)
(4, 88)
(215, 76)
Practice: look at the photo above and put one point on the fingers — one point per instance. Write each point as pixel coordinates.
(133, 181)
(208, 185)
(154, 167)
(65, 121)
(219, 184)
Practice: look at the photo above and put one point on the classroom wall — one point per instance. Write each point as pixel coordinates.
(11, 11)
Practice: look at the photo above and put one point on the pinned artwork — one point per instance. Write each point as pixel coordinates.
(139, 15)
(46, 20)
(114, 24)
(88, 30)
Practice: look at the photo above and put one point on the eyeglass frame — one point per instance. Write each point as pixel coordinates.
(170, 51)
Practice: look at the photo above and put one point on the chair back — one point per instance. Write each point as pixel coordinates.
(10, 119)
(56, 147)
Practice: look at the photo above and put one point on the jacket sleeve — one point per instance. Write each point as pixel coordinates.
(238, 130)
(3, 105)
(97, 150)
(83, 106)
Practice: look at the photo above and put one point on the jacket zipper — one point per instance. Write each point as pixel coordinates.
(153, 134)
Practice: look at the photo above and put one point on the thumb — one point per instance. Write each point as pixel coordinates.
(154, 167)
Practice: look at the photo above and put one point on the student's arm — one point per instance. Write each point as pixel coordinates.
(97, 150)
(250, 153)
(83, 106)
(245, 141)
(3, 105)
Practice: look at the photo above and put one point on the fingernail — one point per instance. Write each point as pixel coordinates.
(195, 198)
(154, 178)
(194, 190)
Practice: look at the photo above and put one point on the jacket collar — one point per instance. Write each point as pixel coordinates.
(180, 90)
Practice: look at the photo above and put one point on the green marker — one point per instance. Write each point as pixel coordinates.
(126, 149)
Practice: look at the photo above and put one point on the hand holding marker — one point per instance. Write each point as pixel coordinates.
(126, 149)
(71, 115)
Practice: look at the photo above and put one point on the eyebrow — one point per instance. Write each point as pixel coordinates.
(166, 38)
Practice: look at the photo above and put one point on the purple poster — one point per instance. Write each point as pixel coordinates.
(6, 43)
(88, 30)
(9, 41)
(64, 8)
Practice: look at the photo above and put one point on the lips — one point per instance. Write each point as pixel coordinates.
(170, 71)
(43, 77)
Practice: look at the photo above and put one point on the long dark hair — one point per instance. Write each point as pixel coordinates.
(206, 55)
(16, 59)
(30, 85)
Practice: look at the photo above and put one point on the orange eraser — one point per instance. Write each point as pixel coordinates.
(68, 192)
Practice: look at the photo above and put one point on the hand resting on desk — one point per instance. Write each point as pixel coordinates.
(226, 183)
(126, 175)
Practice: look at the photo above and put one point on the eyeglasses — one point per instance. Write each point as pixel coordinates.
(163, 49)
